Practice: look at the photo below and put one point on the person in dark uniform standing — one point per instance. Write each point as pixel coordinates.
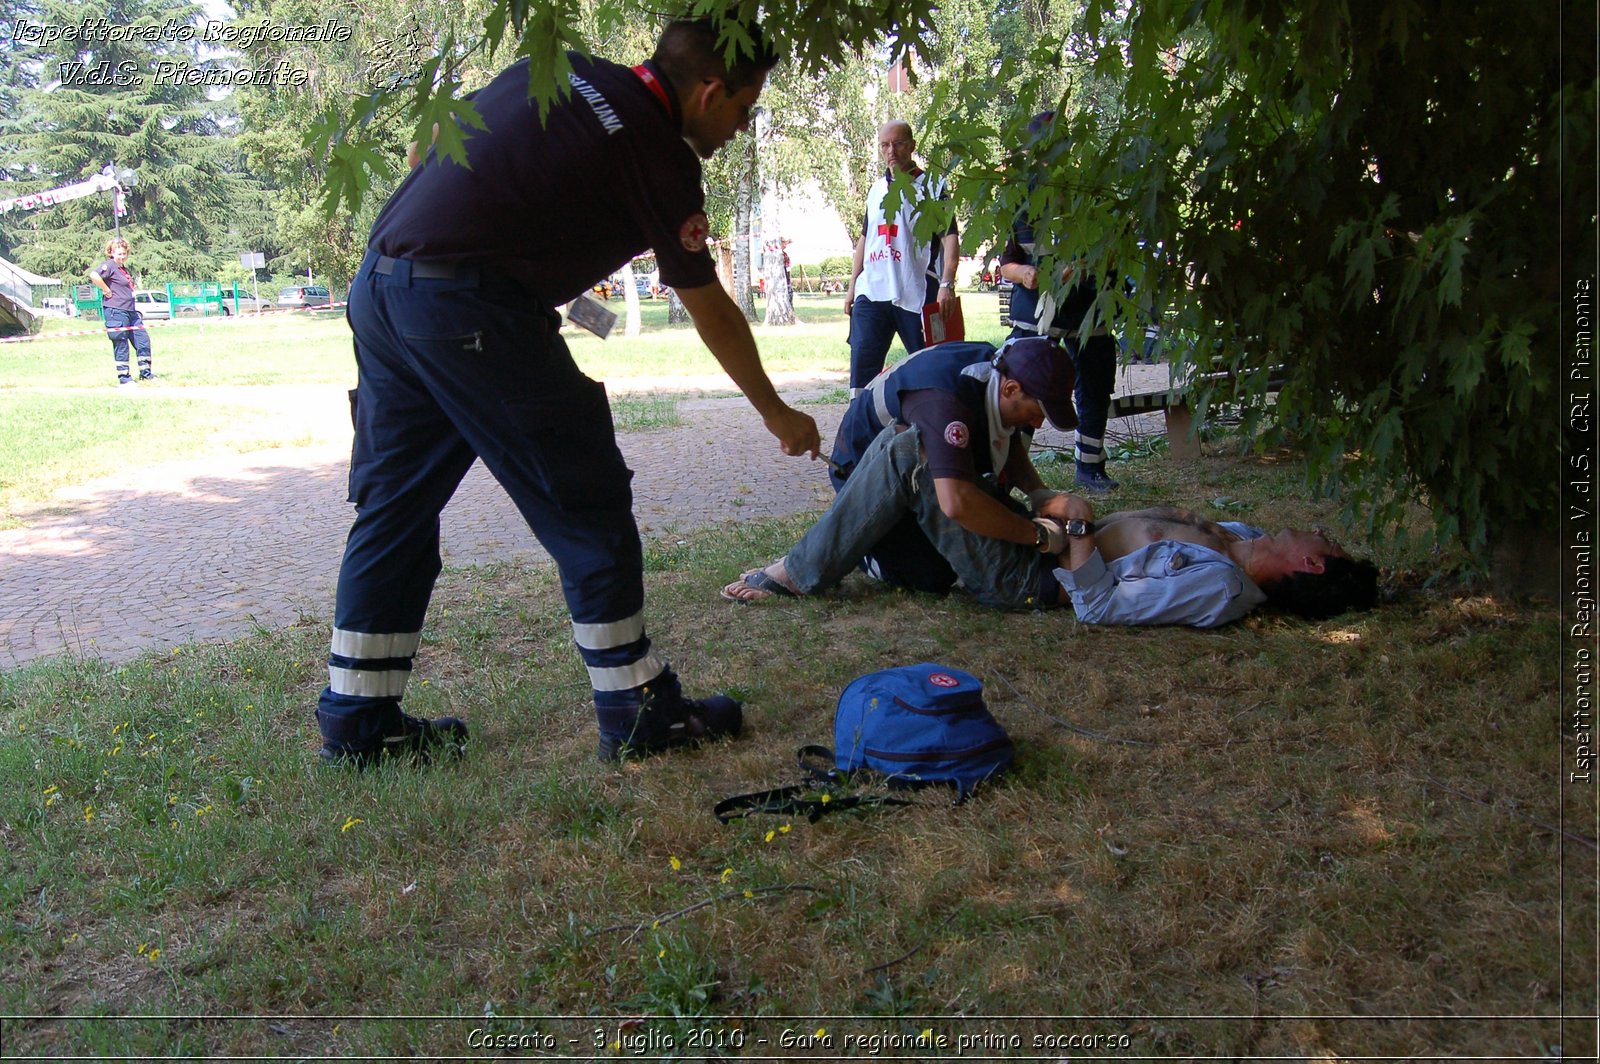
(1040, 308)
(124, 324)
(459, 357)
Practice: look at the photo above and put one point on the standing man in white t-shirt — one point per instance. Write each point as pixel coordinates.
(893, 275)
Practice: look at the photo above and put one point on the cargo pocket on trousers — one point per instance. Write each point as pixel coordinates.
(570, 446)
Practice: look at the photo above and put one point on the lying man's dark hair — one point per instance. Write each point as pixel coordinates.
(1344, 584)
(687, 51)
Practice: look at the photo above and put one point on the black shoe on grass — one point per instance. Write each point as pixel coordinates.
(416, 744)
(675, 722)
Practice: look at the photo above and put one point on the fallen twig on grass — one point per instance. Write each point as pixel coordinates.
(916, 949)
(1553, 829)
(1067, 724)
(732, 895)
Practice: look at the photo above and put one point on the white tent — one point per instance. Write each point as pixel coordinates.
(17, 303)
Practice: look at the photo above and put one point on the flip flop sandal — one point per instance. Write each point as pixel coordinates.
(757, 580)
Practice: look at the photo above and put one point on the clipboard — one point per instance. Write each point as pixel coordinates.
(943, 326)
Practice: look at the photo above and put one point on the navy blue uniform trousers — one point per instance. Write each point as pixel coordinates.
(449, 370)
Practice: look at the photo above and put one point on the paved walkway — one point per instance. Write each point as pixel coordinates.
(206, 549)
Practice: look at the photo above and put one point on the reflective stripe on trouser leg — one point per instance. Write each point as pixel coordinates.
(617, 653)
(1091, 450)
(625, 672)
(371, 664)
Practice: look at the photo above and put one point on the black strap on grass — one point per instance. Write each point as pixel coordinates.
(791, 801)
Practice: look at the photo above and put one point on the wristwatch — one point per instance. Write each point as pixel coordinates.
(947, 284)
(1077, 526)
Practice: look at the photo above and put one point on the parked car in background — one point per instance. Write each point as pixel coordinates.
(248, 304)
(304, 295)
(152, 303)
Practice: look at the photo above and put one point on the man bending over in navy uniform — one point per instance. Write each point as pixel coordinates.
(459, 357)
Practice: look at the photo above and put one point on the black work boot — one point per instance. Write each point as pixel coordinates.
(661, 718)
(415, 743)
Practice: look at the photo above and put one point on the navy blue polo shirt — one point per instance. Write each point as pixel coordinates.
(119, 281)
(562, 204)
(955, 429)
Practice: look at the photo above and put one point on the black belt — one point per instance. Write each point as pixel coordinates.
(439, 271)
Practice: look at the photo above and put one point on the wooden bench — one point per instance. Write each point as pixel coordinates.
(1183, 443)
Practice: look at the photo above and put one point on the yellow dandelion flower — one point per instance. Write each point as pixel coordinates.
(786, 829)
(663, 953)
(677, 865)
(143, 946)
(749, 893)
(48, 802)
(350, 823)
(655, 925)
(51, 789)
(771, 835)
(727, 874)
(927, 1034)
(115, 750)
(826, 798)
(88, 813)
(152, 955)
(822, 1032)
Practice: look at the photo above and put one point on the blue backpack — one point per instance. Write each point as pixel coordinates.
(922, 723)
(915, 724)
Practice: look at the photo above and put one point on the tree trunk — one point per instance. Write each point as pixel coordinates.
(780, 297)
(1525, 561)
(743, 209)
(630, 298)
(677, 313)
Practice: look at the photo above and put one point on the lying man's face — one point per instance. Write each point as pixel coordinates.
(1313, 544)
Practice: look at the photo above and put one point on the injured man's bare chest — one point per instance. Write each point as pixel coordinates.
(1123, 533)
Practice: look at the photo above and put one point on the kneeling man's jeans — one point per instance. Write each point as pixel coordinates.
(892, 480)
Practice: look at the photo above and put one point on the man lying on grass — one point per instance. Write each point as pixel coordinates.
(1159, 566)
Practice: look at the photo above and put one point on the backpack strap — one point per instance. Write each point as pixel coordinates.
(788, 801)
(804, 756)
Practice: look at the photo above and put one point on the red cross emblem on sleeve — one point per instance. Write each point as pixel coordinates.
(694, 232)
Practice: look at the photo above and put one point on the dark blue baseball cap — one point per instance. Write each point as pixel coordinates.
(1044, 369)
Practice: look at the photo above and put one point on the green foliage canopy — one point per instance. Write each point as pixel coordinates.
(1365, 194)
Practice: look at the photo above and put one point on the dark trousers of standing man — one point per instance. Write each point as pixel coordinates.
(125, 327)
(873, 327)
(451, 369)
